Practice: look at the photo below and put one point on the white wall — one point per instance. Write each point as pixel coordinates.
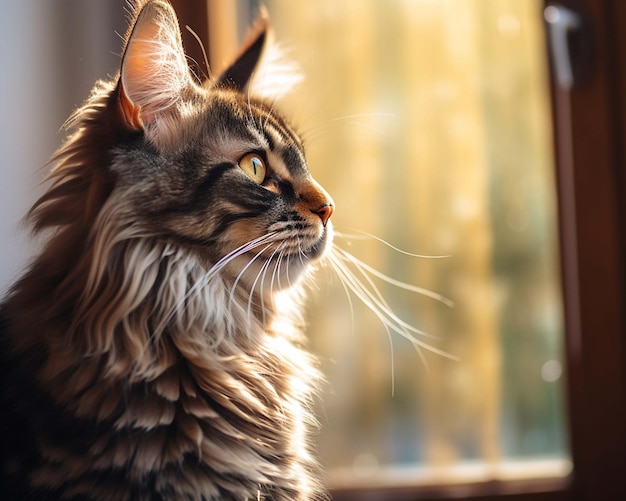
(52, 52)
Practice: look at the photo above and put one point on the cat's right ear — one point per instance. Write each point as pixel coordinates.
(261, 67)
(238, 75)
(154, 69)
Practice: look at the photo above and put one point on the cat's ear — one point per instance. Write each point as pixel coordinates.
(154, 69)
(238, 75)
(261, 67)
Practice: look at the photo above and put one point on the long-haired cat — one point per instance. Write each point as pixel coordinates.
(152, 349)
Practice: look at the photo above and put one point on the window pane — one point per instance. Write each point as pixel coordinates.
(429, 123)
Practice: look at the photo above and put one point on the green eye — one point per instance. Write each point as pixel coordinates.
(254, 167)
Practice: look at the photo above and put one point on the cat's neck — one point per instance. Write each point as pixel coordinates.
(138, 304)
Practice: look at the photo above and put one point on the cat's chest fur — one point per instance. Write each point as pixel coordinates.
(201, 425)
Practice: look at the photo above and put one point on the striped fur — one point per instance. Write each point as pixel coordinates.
(153, 349)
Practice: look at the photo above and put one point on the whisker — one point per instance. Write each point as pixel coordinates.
(261, 275)
(378, 300)
(279, 251)
(257, 125)
(243, 270)
(206, 59)
(301, 253)
(344, 273)
(362, 115)
(276, 271)
(371, 298)
(377, 296)
(287, 262)
(350, 120)
(332, 124)
(368, 127)
(364, 236)
(402, 285)
(266, 267)
(269, 113)
(349, 296)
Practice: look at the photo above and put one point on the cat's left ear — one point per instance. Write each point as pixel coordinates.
(154, 69)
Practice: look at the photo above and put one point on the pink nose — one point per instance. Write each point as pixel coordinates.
(324, 212)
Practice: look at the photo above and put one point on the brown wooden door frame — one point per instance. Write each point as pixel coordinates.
(589, 131)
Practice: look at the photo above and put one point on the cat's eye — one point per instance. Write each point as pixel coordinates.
(254, 167)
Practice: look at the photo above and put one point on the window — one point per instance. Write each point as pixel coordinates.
(430, 123)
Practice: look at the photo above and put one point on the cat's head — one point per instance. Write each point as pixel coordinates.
(205, 166)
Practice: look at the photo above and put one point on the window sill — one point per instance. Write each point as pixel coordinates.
(543, 479)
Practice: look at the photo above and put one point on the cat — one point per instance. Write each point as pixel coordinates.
(153, 349)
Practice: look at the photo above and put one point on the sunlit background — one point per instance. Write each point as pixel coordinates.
(53, 53)
(429, 123)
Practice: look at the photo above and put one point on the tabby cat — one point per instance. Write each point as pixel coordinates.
(152, 350)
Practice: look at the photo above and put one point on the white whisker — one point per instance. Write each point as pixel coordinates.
(372, 298)
(204, 55)
(362, 115)
(367, 127)
(350, 120)
(276, 271)
(287, 263)
(402, 285)
(345, 277)
(269, 113)
(376, 296)
(349, 296)
(364, 236)
(261, 275)
(243, 270)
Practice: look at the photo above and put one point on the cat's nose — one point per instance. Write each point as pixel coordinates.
(324, 212)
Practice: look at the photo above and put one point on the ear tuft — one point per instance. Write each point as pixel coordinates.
(276, 76)
(261, 66)
(154, 68)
